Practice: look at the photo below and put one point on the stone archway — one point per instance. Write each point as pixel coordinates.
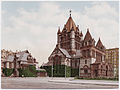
(86, 73)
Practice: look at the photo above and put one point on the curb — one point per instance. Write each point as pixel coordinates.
(84, 83)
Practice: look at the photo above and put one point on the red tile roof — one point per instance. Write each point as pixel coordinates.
(87, 36)
(70, 23)
(99, 44)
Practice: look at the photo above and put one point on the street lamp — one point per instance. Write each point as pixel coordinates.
(79, 68)
(65, 69)
(52, 69)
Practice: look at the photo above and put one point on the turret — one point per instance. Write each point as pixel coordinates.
(81, 35)
(72, 36)
(59, 37)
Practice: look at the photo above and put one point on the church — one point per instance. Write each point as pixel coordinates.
(79, 54)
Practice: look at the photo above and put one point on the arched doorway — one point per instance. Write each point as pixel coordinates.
(106, 70)
(96, 73)
(86, 73)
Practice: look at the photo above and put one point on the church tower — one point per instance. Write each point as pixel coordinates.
(82, 55)
(70, 37)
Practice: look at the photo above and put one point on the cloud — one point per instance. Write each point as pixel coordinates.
(36, 30)
(102, 20)
(101, 10)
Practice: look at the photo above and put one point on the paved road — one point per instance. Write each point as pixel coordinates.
(49, 83)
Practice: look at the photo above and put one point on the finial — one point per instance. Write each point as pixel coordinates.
(99, 38)
(87, 29)
(70, 13)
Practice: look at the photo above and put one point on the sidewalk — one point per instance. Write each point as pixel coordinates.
(93, 82)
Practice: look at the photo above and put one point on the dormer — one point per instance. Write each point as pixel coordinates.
(100, 46)
(88, 40)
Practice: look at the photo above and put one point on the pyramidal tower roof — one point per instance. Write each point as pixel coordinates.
(70, 24)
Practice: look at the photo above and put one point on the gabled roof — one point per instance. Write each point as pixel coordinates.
(87, 36)
(70, 23)
(22, 56)
(10, 58)
(99, 44)
(65, 52)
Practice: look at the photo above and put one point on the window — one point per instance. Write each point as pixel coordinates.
(10, 64)
(85, 61)
(75, 63)
(85, 71)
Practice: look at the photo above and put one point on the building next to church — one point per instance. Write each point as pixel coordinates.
(112, 57)
(79, 53)
(16, 60)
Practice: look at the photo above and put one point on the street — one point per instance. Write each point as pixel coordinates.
(55, 83)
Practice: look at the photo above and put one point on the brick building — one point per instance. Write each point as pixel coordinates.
(80, 52)
(112, 57)
(16, 60)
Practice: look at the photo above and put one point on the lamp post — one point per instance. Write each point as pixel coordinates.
(52, 69)
(79, 68)
(65, 69)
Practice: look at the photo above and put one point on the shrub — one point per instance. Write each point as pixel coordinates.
(58, 70)
(29, 71)
(7, 71)
(48, 70)
(74, 72)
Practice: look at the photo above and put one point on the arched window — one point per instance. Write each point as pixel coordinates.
(106, 70)
(85, 71)
(106, 67)
(57, 60)
(101, 68)
(89, 42)
(75, 63)
(85, 61)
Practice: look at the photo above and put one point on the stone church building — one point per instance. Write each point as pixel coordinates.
(80, 52)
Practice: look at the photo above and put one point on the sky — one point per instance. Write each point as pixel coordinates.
(33, 25)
